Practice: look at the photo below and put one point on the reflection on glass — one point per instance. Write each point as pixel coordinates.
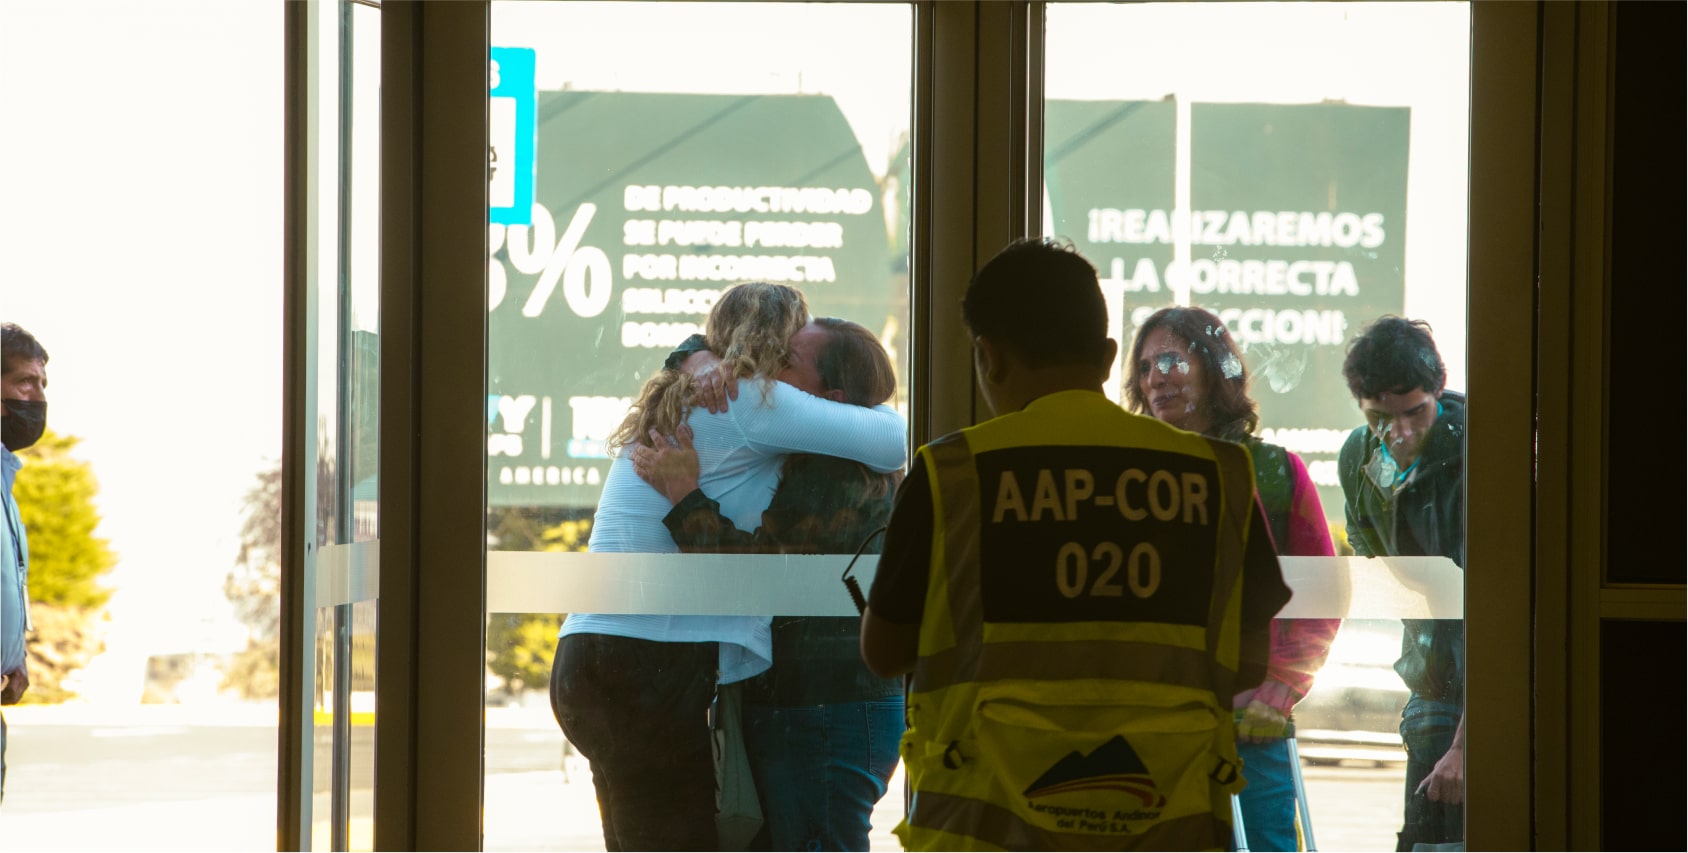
(1257, 185)
(347, 391)
(363, 296)
(645, 159)
(326, 262)
(322, 740)
(360, 381)
(1185, 368)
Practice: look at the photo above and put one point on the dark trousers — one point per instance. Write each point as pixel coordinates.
(638, 710)
(1427, 730)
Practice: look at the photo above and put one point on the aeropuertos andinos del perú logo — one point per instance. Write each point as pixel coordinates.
(1114, 766)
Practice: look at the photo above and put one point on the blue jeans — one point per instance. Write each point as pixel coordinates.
(1427, 730)
(820, 769)
(1268, 803)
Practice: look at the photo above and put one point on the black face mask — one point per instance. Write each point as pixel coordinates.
(23, 423)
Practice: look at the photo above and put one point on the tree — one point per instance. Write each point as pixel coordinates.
(55, 495)
(253, 585)
(519, 646)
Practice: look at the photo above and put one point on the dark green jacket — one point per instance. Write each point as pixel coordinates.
(1425, 517)
(824, 505)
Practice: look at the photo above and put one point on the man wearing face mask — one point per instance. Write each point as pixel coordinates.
(23, 417)
(1403, 483)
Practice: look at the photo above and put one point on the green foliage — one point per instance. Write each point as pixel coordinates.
(566, 535)
(65, 639)
(520, 645)
(55, 495)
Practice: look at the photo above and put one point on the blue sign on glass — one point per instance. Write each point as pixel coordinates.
(513, 134)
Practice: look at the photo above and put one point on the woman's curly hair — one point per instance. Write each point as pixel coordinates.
(750, 328)
(752, 325)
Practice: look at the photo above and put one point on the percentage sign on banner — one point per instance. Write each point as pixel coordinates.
(584, 271)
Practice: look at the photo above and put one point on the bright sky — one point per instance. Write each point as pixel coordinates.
(142, 245)
(142, 223)
(860, 53)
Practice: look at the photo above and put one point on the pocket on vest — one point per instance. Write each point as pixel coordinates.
(1104, 767)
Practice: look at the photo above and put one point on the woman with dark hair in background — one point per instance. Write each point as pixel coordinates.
(1186, 371)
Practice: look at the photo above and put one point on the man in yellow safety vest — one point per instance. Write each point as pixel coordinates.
(1078, 591)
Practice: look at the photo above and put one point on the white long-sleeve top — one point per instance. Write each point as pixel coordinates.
(740, 453)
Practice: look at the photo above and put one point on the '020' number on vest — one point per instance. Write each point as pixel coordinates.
(1074, 571)
(1097, 534)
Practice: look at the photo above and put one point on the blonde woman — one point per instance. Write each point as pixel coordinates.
(631, 691)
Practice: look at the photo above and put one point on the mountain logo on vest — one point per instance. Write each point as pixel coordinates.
(1113, 766)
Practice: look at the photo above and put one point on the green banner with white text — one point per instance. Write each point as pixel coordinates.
(647, 205)
(1294, 235)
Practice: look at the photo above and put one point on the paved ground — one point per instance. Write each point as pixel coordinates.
(173, 778)
(1353, 808)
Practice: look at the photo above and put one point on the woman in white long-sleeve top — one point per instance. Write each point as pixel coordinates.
(632, 691)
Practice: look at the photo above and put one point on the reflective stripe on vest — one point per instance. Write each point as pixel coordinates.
(1108, 659)
(968, 819)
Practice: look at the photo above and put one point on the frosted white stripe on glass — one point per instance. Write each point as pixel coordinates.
(348, 574)
(741, 584)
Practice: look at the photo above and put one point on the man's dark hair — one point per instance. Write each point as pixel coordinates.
(1233, 413)
(1039, 298)
(853, 361)
(18, 346)
(1393, 355)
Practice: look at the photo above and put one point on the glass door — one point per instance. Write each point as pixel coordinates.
(336, 429)
(487, 464)
(646, 159)
(1261, 187)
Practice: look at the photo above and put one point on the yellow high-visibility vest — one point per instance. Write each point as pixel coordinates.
(1081, 634)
